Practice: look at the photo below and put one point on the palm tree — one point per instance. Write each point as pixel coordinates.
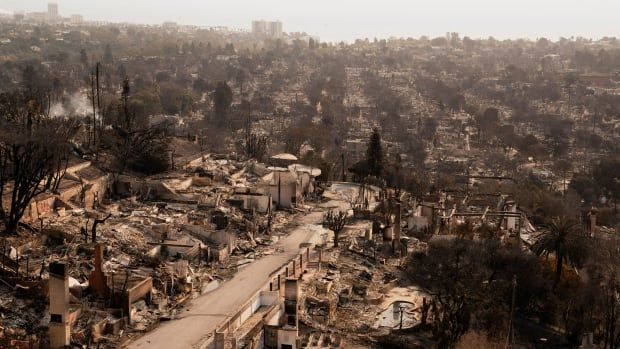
(562, 238)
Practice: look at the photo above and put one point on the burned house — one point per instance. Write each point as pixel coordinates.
(284, 186)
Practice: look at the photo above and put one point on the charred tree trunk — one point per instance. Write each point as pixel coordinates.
(96, 140)
(93, 99)
(93, 233)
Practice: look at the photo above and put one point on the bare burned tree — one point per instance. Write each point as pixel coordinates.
(335, 221)
(95, 95)
(34, 150)
(93, 232)
(60, 163)
(138, 145)
(143, 149)
(256, 146)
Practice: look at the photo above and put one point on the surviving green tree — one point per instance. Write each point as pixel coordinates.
(562, 238)
(108, 58)
(222, 99)
(374, 154)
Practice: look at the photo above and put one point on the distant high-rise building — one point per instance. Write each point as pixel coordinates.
(77, 19)
(259, 27)
(270, 29)
(52, 11)
(275, 29)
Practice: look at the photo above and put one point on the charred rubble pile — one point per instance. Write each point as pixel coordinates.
(109, 257)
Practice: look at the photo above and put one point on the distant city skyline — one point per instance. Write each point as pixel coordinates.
(347, 20)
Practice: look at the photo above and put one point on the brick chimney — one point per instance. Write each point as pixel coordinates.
(59, 327)
(97, 281)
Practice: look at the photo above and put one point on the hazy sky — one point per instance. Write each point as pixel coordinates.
(335, 20)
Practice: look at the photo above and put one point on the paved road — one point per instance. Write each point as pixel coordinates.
(210, 310)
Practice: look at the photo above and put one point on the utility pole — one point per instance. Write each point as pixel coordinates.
(98, 86)
(509, 339)
(344, 178)
(467, 183)
(249, 125)
(92, 90)
(279, 190)
(95, 139)
(594, 117)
